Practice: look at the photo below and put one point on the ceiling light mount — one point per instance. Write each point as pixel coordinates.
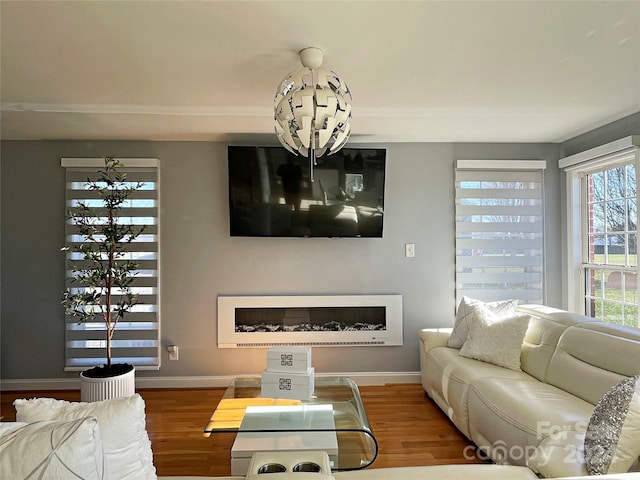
(312, 109)
(311, 57)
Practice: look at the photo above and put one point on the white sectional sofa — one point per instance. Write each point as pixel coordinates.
(536, 416)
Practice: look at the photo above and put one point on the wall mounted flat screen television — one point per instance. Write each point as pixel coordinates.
(271, 193)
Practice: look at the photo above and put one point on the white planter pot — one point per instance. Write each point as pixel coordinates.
(96, 389)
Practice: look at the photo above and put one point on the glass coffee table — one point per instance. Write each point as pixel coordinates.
(333, 419)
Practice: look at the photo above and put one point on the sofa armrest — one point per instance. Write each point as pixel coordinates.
(430, 338)
(433, 337)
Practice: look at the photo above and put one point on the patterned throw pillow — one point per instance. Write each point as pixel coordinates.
(52, 450)
(612, 439)
(496, 340)
(465, 316)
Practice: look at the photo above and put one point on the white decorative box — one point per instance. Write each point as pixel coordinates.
(297, 386)
(289, 359)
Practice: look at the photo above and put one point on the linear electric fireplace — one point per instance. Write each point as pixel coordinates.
(322, 321)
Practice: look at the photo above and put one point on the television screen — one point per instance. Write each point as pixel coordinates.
(271, 193)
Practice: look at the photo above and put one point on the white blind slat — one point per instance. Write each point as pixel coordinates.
(504, 243)
(497, 294)
(497, 278)
(497, 193)
(469, 261)
(97, 337)
(489, 211)
(485, 227)
(516, 176)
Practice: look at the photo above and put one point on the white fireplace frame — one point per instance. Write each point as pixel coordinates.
(229, 338)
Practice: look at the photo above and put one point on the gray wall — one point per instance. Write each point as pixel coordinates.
(607, 133)
(200, 261)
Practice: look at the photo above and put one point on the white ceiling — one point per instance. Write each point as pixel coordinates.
(424, 71)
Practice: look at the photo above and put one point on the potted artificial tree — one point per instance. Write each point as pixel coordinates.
(100, 284)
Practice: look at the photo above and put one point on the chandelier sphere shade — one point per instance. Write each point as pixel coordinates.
(312, 109)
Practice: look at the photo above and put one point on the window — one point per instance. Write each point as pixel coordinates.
(499, 230)
(136, 340)
(603, 196)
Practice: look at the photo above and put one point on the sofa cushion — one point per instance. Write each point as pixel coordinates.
(440, 472)
(545, 328)
(496, 340)
(510, 417)
(465, 317)
(448, 377)
(71, 449)
(127, 448)
(560, 455)
(589, 372)
(612, 440)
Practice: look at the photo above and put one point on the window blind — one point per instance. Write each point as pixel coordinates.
(499, 230)
(136, 340)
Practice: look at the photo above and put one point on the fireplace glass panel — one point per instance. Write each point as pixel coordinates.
(310, 319)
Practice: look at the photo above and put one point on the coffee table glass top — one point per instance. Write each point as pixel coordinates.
(357, 446)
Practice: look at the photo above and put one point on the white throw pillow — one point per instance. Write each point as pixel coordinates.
(127, 448)
(52, 450)
(612, 440)
(496, 340)
(465, 316)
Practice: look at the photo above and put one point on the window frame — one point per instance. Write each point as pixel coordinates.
(577, 167)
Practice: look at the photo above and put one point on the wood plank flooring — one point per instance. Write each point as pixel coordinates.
(410, 429)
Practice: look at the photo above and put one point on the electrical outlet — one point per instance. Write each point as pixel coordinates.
(409, 250)
(173, 352)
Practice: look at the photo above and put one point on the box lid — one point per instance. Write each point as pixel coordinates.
(293, 378)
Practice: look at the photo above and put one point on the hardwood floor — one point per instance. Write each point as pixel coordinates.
(410, 428)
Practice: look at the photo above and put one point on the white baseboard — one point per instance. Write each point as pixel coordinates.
(361, 378)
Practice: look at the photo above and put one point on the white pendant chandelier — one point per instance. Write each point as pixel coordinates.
(312, 109)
